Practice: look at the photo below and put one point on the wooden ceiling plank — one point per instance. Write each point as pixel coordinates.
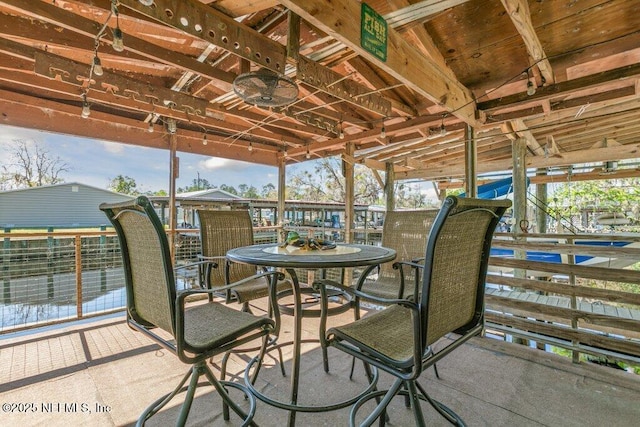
(52, 14)
(237, 8)
(521, 17)
(340, 19)
(560, 88)
(417, 34)
(46, 115)
(221, 30)
(435, 171)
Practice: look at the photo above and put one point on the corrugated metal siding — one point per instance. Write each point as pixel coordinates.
(64, 205)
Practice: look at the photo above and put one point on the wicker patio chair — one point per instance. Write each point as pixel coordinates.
(397, 339)
(220, 231)
(194, 332)
(406, 232)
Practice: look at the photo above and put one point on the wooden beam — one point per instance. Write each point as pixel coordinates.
(598, 155)
(561, 88)
(523, 131)
(50, 116)
(341, 19)
(221, 30)
(521, 17)
(57, 16)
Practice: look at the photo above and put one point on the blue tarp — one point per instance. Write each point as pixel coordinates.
(495, 189)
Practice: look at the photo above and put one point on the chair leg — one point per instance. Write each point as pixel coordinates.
(443, 410)
(415, 402)
(380, 410)
(194, 374)
(228, 402)
(161, 402)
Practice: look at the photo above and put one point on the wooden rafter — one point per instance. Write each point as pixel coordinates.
(521, 17)
(404, 62)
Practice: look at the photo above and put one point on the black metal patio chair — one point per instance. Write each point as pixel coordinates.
(220, 231)
(398, 339)
(192, 331)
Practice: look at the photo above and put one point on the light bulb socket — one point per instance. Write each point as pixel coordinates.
(118, 42)
(531, 88)
(172, 127)
(443, 130)
(86, 109)
(97, 66)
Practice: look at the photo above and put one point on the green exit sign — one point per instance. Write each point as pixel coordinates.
(373, 32)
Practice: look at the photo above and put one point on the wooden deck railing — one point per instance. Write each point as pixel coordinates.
(557, 304)
(591, 309)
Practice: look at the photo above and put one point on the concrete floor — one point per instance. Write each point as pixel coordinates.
(101, 373)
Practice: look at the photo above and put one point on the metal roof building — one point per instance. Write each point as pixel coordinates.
(60, 205)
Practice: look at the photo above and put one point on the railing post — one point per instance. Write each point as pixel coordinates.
(78, 245)
(6, 260)
(50, 263)
(103, 263)
(571, 260)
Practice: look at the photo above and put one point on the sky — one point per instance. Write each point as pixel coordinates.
(95, 162)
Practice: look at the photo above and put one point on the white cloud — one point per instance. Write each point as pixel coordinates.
(113, 147)
(213, 163)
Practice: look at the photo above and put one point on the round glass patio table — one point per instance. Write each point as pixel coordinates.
(291, 258)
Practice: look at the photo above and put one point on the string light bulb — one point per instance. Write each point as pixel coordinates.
(171, 125)
(150, 126)
(308, 156)
(118, 42)
(250, 146)
(86, 108)
(443, 129)
(97, 66)
(146, 2)
(531, 88)
(204, 139)
(340, 132)
(383, 132)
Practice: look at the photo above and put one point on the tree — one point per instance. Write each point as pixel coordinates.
(615, 195)
(196, 185)
(229, 189)
(124, 185)
(31, 165)
(326, 184)
(248, 191)
(269, 191)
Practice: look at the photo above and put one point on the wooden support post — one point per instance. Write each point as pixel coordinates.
(541, 203)
(389, 187)
(173, 211)
(349, 204)
(470, 163)
(519, 191)
(281, 195)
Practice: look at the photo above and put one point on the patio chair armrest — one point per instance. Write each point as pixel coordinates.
(354, 292)
(411, 264)
(213, 260)
(190, 264)
(279, 275)
(364, 275)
